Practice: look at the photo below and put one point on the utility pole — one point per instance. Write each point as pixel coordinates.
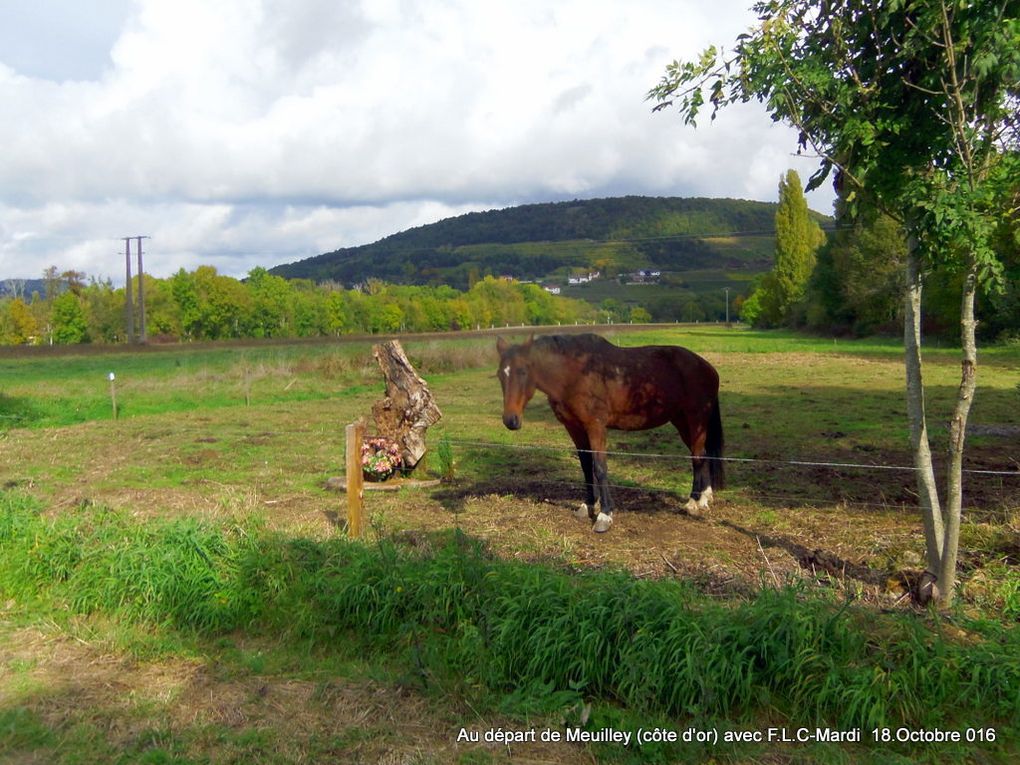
(142, 335)
(727, 302)
(129, 303)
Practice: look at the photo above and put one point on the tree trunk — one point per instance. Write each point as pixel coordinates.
(927, 490)
(409, 408)
(957, 436)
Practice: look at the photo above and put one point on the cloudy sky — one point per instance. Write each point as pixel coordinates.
(239, 133)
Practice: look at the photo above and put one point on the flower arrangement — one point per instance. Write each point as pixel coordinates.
(380, 458)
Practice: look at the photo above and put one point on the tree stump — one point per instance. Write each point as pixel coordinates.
(408, 409)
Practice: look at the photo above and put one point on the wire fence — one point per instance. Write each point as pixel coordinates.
(758, 460)
(876, 500)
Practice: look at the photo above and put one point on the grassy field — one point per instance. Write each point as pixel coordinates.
(176, 586)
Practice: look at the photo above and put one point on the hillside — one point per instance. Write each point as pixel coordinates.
(22, 288)
(540, 241)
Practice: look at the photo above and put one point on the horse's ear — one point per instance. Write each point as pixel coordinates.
(501, 345)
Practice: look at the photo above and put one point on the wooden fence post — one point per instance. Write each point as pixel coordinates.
(355, 480)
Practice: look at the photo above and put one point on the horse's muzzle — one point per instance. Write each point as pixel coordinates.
(512, 421)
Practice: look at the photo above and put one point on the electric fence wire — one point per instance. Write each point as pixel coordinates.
(801, 500)
(757, 460)
(509, 488)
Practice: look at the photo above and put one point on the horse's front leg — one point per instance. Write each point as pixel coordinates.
(600, 471)
(584, 455)
(701, 487)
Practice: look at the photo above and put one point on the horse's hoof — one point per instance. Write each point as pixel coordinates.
(584, 512)
(691, 506)
(706, 497)
(602, 523)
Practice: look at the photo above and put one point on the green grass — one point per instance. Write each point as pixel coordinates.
(834, 406)
(42, 390)
(23, 732)
(538, 638)
(202, 560)
(785, 396)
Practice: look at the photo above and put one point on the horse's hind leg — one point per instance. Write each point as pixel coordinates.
(701, 489)
(701, 486)
(600, 471)
(701, 496)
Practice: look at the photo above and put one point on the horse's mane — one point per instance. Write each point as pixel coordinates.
(574, 344)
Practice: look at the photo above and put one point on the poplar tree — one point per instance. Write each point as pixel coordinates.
(798, 238)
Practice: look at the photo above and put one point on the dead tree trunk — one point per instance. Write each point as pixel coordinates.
(409, 408)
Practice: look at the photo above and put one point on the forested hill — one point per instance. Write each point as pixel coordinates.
(537, 241)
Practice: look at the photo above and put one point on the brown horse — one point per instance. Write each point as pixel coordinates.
(593, 385)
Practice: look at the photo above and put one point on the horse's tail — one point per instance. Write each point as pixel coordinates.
(714, 447)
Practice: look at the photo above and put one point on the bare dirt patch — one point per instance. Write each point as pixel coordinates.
(66, 683)
(734, 547)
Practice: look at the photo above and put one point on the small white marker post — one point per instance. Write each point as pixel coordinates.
(113, 394)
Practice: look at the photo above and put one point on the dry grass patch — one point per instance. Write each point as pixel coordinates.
(204, 709)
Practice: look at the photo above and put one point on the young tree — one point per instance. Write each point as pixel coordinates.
(20, 326)
(105, 310)
(913, 103)
(224, 304)
(639, 315)
(272, 299)
(185, 295)
(750, 308)
(51, 278)
(161, 309)
(70, 324)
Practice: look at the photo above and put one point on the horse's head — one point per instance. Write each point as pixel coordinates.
(515, 376)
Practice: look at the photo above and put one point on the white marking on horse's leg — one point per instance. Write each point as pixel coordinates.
(584, 512)
(691, 506)
(602, 523)
(706, 498)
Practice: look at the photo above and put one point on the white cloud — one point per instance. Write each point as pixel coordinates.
(254, 132)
